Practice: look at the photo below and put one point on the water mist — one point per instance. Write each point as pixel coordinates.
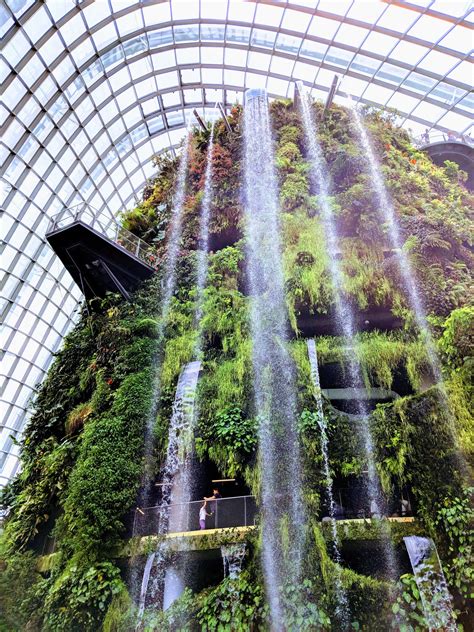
(342, 608)
(273, 372)
(388, 216)
(345, 320)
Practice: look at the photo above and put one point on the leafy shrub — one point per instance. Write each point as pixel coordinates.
(80, 597)
(455, 520)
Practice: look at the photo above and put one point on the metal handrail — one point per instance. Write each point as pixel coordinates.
(430, 137)
(233, 511)
(106, 224)
(199, 500)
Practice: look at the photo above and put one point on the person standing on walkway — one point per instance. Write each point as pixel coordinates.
(213, 506)
(202, 516)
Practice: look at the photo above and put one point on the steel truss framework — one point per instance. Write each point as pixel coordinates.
(94, 88)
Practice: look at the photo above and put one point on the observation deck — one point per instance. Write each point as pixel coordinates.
(352, 530)
(451, 146)
(100, 255)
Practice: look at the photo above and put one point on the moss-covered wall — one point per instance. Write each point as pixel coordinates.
(83, 450)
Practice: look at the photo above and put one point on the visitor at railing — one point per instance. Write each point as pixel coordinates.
(216, 495)
(202, 516)
(236, 511)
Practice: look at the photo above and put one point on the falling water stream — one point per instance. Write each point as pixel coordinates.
(344, 313)
(387, 213)
(431, 583)
(342, 608)
(232, 557)
(168, 288)
(176, 480)
(175, 483)
(202, 253)
(273, 373)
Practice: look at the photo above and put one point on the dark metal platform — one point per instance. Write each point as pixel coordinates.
(100, 255)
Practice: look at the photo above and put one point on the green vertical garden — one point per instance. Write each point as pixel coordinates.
(61, 559)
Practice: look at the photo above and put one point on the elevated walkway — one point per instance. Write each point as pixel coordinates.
(100, 255)
(208, 539)
(360, 529)
(450, 146)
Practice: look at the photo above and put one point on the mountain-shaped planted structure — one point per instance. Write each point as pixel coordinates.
(317, 268)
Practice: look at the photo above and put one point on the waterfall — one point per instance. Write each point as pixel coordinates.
(202, 254)
(174, 586)
(273, 372)
(176, 483)
(169, 286)
(343, 311)
(232, 557)
(176, 480)
(431, 583)
(342, 608)
(388, 216)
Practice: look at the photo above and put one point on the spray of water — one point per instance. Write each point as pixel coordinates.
(232, 557)
(203, 255)
(431, 582)
(177, 472)
(168, 288)
(342, 609)
(176, 481)
(388, 215)
(343, 311)
(274, 389)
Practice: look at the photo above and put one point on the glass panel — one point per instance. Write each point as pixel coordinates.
(467, 103)
(288, 43)
(365, 65)
(391, 74)
(428, 28)
(269, 16)
(315, 50)
(409, 53)
(419, 83)
(352, 35)
(338, 57)
(459, 38)
(397, 19)
(212, 33)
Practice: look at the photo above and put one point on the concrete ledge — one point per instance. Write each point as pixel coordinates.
(201, 540)
(208, 539)
(373, 529)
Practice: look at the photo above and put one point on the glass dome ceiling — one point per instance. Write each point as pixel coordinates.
(94, 88)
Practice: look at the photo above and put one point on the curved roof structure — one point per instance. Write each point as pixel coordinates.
(94, 88)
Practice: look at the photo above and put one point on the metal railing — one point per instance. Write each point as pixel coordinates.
(107, 225)
(353, 503)
(236, 511)
(431, 137)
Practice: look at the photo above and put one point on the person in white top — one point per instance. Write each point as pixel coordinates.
(202, 516)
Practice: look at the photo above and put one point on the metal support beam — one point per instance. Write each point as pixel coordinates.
(224, 116)
(332, 92)
(200, 121)
(298, 91)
